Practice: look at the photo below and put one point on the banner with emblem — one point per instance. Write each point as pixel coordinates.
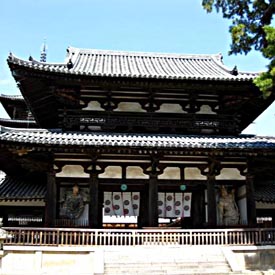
(121, 203)
(174, 205)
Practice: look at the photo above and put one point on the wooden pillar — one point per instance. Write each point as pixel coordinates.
(151, 206)
(198, 210)
(50, 208)
(251, 204)
(153, 200)
(211, 201)
(212, 170)
(142, 218)
(95, 206)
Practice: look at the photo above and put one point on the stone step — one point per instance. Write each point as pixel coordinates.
(187, 268)
(134, 259)
(186, 272)
(189, 264)
(165, 260)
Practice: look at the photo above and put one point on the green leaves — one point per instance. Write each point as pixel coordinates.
(251, 29)
(269, 50)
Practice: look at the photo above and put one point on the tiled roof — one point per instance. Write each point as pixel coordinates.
(103, 63)
(12, 97)
(57, 138)
(265, 193)
(8, 121)
(14, 188)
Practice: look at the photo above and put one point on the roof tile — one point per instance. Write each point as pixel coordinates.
(15, 188)
(55, 137)
(103, 63)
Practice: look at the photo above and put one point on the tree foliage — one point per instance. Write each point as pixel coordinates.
(251, 28)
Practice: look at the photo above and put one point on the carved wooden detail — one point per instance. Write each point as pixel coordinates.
(151, 122)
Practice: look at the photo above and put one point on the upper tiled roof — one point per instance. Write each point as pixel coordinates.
(14, 188)
(57, 138)
(12, 97)
(103, 63)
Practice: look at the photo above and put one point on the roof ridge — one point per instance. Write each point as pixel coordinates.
(73, 50)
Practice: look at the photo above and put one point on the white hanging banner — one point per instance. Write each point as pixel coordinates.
(121, 203)
(174, 205)
(161, 205)
(135, 203)
(108, 204)
(178, 205)
(127, 204)
(118, 204)
(169, 205)
(187, 204)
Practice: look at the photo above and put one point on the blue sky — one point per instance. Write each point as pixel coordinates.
(172, 26)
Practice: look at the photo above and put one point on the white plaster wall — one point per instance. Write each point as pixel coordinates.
(20, 263)
(73, 171)
(129, 107)
(68, 263)
(93, 106)
(114, 172)
(135, 172)
(193, 173)
(170, 108)
(206, 109)
(50, 261)
(172, 173)
(230, 174)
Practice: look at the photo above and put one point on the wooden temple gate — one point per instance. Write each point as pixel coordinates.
(170, 138)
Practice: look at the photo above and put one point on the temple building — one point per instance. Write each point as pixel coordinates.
(115, 138)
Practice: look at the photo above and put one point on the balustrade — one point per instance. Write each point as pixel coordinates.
(127, 237)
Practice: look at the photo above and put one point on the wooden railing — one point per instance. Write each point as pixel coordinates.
(126, 237)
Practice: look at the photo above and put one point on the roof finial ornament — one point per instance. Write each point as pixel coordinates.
(10, 56)
(43, 52)
(70, 64)
(235, 71)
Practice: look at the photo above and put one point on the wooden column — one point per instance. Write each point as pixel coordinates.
(153, 200)
(152, 192)
(198, 207)
(251, 204)
(212, 170)
(211, 201)
(95, 206)
(142, 218)
(50, 208)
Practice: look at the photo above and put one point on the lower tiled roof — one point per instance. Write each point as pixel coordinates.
(15, 188)
(23, 123)
(265, 193)
(157, 141)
